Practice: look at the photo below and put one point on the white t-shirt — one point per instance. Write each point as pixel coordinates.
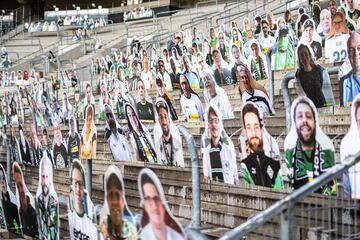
(148, 233)
(266, 43)
(260, 99)
(192, 108)
(336, 48)
(81, 227)
(119, 147)
(145, 77)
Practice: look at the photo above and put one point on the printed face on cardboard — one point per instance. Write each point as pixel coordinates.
(26, 205)
(116, 137)
(320, 91)
(168, 141)
(9, 215)
(255, 138)
(89, 135)
(60, 152)
(156, 213)
(349, 148)
(80, 207)
(47, 205)
(140, 137)
(307, 145)
(115, 211)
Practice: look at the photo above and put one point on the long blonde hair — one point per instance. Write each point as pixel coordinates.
(253, 83)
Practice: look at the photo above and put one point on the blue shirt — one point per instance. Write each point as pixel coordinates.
(351, 88)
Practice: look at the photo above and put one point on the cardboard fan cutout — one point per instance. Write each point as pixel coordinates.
(257, 62)
(313, 80)
(73, 140)
(152, 196)
(26, 204)
(89, 136)
(259, 151)
(15, 153)
(168, 141)
(35, 145)
(349, 74)
(216, 95)
(47, 203)
(222, 73)
(81, 212)
(116, 137)
(24, 146)
(116, 220)
(140, 137)
(310, 38)
(9, 206)
(60, 153)
(144, 104)
(308, 151)
(325, 23)
(349, 147)
(251, 91)
(190, 102)
(336, 41)
(219, 157)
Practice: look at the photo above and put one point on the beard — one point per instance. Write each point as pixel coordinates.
(256, 144)
(306, 142)
(45, 190)
(166, 131)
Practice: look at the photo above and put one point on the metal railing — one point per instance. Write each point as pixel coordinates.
(303, 217)
(286, 94)
(195, 170)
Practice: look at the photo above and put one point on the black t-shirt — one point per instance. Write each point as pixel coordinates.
(74, 146)
(29, 220)
(312, 83)
(316, 47)
(11, 214)
(175, 80)
(215, 163)
(60, 156)
(146, 112)
(262, 169)
(224, 77)
(25, 153)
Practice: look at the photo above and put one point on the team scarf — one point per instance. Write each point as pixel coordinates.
(169, 155)
(140, 147)
(300, 157)
(258, 69)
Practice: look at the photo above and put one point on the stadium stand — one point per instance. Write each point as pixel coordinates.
(242, 128)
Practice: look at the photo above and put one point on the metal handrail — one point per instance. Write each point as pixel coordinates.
(165, 12)
(207, 2)
(238, 13)
(195, 234)
(286, 94)
(291, 199)
(17, 54)
(231, 4)
(207, 16)
(195, 170)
